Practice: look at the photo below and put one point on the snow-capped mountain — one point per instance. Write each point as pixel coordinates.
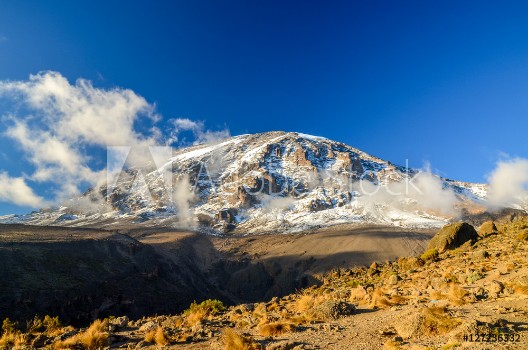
(268, 182)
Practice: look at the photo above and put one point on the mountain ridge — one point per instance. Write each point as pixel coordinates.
(269, 182)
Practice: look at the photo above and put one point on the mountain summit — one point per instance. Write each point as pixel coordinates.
(268, 182)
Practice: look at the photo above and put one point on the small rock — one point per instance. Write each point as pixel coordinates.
(66, 335)
(495, 288)
(149, 326)
(120, 322)
(483, 254)
(392, 280)
(388, 331)
(39, 341)
(334, 309)
(480, 293)
(283, 345)
(408, 325)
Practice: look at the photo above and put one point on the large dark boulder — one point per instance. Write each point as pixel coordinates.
(452, 236)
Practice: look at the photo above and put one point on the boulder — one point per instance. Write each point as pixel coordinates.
(409, 325)
(494, 289)
(487, 228)
(227, 215)
(452, 236)
(335, 309)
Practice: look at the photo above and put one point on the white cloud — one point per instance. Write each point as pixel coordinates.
(15, 190)
(509, 184)
(200, 134)
(182, 124)
(56, 121)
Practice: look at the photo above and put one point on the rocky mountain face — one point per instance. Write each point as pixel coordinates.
(269, 182)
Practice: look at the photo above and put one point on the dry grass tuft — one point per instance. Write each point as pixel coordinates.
(300, 319)
(436, 295)
(520, 289)
(450, 346)
(95, 337)
(235, 341)
(411, 263)
(381, 300)
(260, 311)
(391, 345)
(150, 336)
(11, 340)
(430, 255)
(276, 328)
(307, 302)
(197, 313)
(523, 235)
(456, 294)
(160, 337)
(438, 321)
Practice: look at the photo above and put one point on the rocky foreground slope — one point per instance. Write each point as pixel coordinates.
(269, 182)
(469, 290)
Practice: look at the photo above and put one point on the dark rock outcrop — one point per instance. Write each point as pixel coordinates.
(453, 236)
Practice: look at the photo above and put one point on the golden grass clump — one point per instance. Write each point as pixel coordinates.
(275, 328)
(50, 326)
(150, 336)
(437, 321)
(161, 337)
(157, 336)
(410, 263)
(93, 338)
(381, 300)
(523, 235)
(436, 295)
(235, 341)
(456, 294)
(13, 339)
(260, 311)
(307, 302)
(430, 255)
(11, 336)
(300, 319)
(202, 311)
(391, 345)
(520, 289)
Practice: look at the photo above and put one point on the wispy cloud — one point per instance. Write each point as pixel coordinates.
(15, 190)
(64, 119)
(200, 133)
(509, 183)
(3, 38)
(54, 122)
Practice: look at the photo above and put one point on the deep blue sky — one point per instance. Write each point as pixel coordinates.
(438, 81)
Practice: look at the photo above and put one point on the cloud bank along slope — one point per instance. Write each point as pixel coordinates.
(508, 184)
